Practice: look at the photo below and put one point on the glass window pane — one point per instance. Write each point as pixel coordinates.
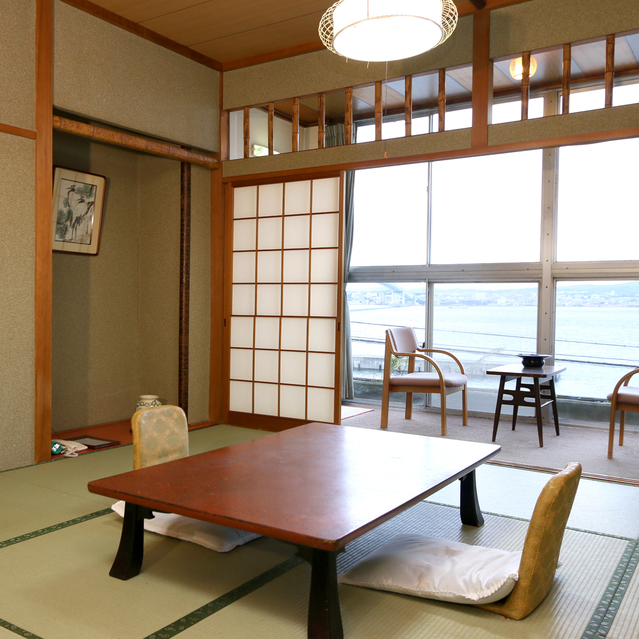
(598, 210)
(511, 111)
(373, 308)
(391, 205)
(484, 325)
(487, 209)
(597, 340)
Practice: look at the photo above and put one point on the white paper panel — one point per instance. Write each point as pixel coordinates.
(295, 300)
(244, 235)
(269, 266)
(266, 399)
(242, 364)
(271, 199)
(266, 366)
(323, 300)
(241, 399)
(324, 265)
(321, 370)
(325, 230)
(243, 299)
(320, 405)
(297, 198)
(296, 231)
(242, 332)
(268, 299)
(321, 335)
(296, 266)
(293, 368)
(244, 268)
(293, 402)
(267, 332)
(270, 233)
(326, 195)
(294, 333)
(245, 202)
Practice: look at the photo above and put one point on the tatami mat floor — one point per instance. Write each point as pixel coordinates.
(57, 542)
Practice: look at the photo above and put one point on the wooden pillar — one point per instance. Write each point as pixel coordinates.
(565, 85)
(482, 79)
(43, 303)
(185, 285)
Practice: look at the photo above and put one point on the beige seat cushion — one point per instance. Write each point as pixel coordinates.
(429, 380)
(627, 395)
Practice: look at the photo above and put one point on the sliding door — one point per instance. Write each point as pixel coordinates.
(285, 302)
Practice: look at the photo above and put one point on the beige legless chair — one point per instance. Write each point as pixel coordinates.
(541, 549)
(402, 342)
(160, 434)
(623, 398)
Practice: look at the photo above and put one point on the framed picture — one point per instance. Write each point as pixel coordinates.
(78, 199)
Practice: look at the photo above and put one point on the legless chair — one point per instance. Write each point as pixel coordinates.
(541, 549)
(160, 434)
(623, 398)
(402, 342)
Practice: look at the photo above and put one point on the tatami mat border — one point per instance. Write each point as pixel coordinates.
(54, 528)
(228, 598)
(19, 631)
(604, 615)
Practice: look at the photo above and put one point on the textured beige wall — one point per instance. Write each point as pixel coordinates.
(108, 74)
(17, 56)
(17, 322)
(200, 302)
(95, 303)
(544, 23)
(325, 71)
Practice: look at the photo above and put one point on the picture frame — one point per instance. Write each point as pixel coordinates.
(78, 202)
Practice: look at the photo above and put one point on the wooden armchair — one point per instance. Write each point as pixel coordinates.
(402, 342)
(623, 398)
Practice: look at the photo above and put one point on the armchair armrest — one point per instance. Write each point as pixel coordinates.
(624, 381)
(436, 350)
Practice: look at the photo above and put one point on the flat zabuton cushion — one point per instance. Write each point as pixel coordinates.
(203, 533)
(438, 569)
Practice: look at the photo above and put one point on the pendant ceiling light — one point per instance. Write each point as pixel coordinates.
(517, 68)
(384, 30)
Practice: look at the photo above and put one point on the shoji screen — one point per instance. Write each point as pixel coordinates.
(285, 300)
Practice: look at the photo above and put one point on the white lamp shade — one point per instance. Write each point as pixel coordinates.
(517, 68)
(380, 30)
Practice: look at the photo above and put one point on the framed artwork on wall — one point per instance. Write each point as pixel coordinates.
(78, 200)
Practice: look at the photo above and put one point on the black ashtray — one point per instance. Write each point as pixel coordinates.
(533, 360)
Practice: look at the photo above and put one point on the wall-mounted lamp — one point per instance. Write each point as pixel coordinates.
(517, 68)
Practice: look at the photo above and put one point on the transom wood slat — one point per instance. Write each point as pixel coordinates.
(321, 120)
(610, 70)
(565, 86)
(408, 105)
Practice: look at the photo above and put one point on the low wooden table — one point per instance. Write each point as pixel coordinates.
(527, 395)
(318, 486)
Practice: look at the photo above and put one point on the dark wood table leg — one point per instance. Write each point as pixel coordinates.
(516, 401)
(469, 509)
(553, 397)
(500, 396)
(324, 615)
(128, 560)
(537, 392)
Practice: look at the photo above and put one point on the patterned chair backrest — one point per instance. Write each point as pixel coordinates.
(160, 434)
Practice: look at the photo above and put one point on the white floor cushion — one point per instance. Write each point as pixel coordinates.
(203, 533)
(438, 569)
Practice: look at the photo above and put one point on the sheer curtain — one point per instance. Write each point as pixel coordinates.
(336, 136)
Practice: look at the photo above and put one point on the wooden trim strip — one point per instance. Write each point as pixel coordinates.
(271, 128)
(408, 105)
(43, 229)
(247, 131)
(15, 130)
(321, 120)
(185, 286)
(295, 128)
(143, 32)
(565, 86)
(348, 115)
(378, 110)
(525, 84)
(610, 70)
(441, 100)
(482, 94)
(135, 142)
